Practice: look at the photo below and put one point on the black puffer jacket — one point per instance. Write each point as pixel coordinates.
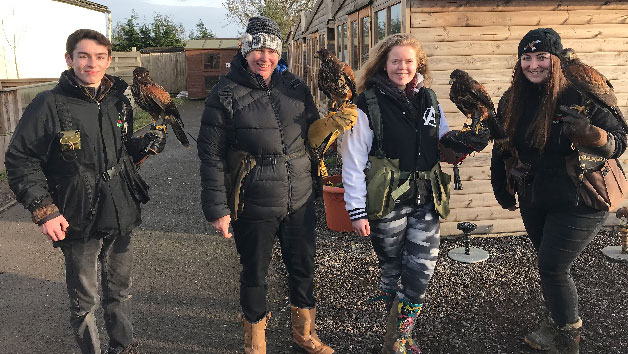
(410, 127)
(40, 173)
(550, 183)
(271, 123)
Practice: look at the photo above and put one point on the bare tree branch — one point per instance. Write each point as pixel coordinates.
(285, 13)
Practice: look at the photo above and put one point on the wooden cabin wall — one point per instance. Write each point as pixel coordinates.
(481, 37)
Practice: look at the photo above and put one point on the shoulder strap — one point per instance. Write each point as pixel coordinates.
(62, 110)
(225, 96)
(375, 118)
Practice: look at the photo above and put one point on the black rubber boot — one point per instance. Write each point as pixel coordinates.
(544, 337)
(568, 339)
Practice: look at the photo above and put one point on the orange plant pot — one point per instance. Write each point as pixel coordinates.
(336, 215)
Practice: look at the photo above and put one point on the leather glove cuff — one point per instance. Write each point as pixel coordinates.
(154, 142)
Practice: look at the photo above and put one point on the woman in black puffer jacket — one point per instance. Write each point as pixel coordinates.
(261, 109)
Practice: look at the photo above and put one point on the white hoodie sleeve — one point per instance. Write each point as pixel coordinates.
(444, 126)
(356, 145)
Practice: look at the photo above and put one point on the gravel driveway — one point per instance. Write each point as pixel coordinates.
(186, 284)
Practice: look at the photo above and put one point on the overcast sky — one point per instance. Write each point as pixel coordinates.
(186, 12)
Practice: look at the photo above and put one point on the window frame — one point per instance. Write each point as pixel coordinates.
(387, 22)
(217, 60)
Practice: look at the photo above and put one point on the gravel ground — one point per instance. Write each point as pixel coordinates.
(185, 292)
(6, 196)
(481, 308)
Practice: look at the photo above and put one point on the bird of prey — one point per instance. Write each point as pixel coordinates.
(335, 79)
(475, 103)
(590, 83)
(152, 98)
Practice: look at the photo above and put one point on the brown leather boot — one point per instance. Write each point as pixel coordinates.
(304, 332)
(254, 335)
(391, 328)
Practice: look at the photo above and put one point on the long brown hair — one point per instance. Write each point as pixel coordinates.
(379, 55)
(517, 99)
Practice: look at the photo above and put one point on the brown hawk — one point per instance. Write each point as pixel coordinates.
(590, 83)
(152, 98)
(335, 79)
(473, 100)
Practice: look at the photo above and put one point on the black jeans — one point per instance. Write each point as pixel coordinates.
(559, 236)
(115, 255)
(254, 242)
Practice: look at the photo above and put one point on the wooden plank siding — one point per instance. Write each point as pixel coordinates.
(481, 37)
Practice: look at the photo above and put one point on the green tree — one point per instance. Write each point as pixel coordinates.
(125, 34)
(162, 32)
(166, 33)
(284, 12)
(201, 32)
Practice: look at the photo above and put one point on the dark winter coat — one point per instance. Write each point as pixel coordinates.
(40, 173)
(271, 123)
(407, 135)
(549, 182)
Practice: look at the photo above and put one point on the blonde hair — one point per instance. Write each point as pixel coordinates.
(517, 98)
(378, 56)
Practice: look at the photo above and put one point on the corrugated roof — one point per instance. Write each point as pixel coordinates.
(217, 43)
(86, 4)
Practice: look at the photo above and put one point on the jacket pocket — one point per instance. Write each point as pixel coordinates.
(74, 197)
(382, 178)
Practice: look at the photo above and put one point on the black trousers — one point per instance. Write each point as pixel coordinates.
(559, 236)
(254, 242)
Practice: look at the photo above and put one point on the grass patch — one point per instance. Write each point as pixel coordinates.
(142, 118)
(3, 176)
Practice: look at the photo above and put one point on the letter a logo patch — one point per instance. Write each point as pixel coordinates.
(429, 117)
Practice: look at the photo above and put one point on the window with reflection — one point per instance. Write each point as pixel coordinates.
(345, 54)
(355, 55)
(339, 41)
(395, 19)
(211, 61)
(365, 37)
(380, 25)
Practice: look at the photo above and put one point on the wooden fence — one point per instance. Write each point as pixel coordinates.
(15, 95)
(167, 69)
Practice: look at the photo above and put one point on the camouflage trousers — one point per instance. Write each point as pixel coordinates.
(406, 243)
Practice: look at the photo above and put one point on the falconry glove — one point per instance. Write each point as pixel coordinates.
(154, 142)
(327, 129)
(580, 130)
(467, 141)
(323, 132)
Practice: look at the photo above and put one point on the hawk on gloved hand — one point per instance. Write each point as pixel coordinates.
(473, 100)
(590, 83)
(152, 98)
(335, 79)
